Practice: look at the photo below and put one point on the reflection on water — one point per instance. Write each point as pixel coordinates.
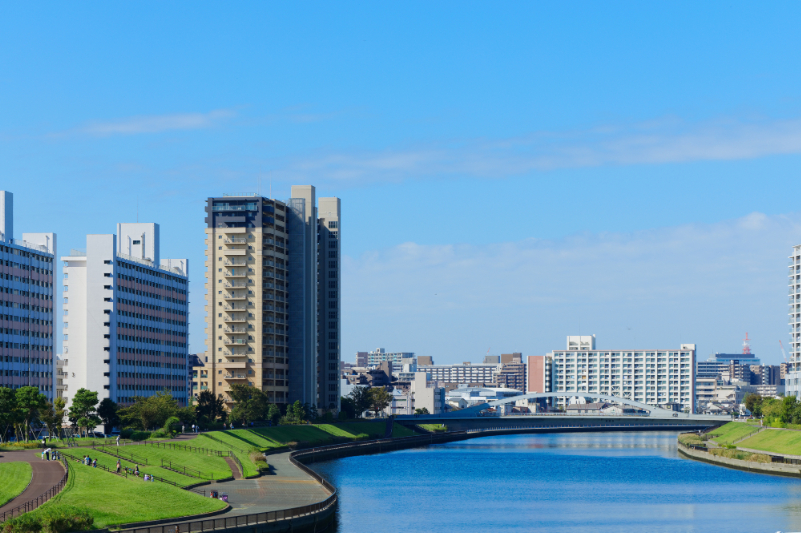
(594, 482)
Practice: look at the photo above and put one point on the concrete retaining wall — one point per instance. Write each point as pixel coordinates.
(776, 469)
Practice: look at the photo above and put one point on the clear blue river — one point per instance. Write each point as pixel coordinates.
(593, 482)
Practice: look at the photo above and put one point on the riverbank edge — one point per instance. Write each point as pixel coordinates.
(739, 464)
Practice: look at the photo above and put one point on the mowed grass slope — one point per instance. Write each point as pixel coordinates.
(211, 467)
(319, 434)
(239, 449)
(14, 477)
(110, 462)
(114, 500)
(731, 432)
(781, 441)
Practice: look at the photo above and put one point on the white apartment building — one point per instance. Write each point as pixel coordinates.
(125, 317)
(27, 327)
(464, 373)
(791, 382)
(380, 355)
(654, 377)
(422, 394)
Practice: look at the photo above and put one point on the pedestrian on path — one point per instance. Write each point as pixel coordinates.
(183, 429)
(136, 471)
(118, 440)
(94, 463)
(118, 467)
(47, 453)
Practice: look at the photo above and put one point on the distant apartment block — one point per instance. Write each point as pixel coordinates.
(463, 373)
(380, 355)
(425, 360)
(125, 317)
(361, 359)
(654, 377)
(512, 375)
(538, 373)
(27, 281)
(794, 368)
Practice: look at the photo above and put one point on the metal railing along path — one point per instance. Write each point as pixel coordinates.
(30, 505)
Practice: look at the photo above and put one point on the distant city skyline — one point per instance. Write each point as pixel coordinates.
(512, 174)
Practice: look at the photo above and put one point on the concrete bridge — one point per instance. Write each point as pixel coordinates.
(478, 418)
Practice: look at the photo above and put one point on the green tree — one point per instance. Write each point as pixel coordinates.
(107, 411)
(49, 418)
(753, 402)
(347, 406)
(423, 411)
(379, 399)
(361, 399)
(82, 409)
(209, 407)
(29, 402)
(250, 403)
(8, 409)
(273, 413)
(187, 415)
(788, 408)
(149, 412)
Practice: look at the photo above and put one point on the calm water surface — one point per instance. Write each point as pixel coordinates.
(597, 482)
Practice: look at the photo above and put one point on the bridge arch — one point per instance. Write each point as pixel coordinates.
(604, 397)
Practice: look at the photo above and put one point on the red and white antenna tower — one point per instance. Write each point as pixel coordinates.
(746, 345)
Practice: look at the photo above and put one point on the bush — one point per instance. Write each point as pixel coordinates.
(171, 425)
(134, 434)
(160, 434)
(50, 519)
(260, 461)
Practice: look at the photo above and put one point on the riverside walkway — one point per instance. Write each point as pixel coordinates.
(45, 474)
(287, 487)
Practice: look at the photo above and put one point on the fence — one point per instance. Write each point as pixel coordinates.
(30, 505)
(185, 447)
(229, 445)
(120, 454)
(185, 470)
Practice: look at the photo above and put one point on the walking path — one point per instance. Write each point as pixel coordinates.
(45, 474)
(234, 468)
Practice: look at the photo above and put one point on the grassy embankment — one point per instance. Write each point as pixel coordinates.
(14, 477)
(434, 427)
(724, 436)
(778, 441)
(210, 467)
(110, 462)
(731, 432)
(112, 499)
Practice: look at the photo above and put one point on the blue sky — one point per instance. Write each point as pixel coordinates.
(510, 174)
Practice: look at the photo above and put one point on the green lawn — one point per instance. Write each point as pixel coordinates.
(434, 427)
(14, 477)
(238, 447)
(208, 465)
(318, 434)
(111, 462)
(731, 432)
(115, 500)
(776, 441)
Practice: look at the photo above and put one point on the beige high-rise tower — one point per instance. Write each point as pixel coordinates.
(262, 298)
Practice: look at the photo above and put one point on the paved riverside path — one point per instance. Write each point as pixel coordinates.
(288, 487)
(45, 474)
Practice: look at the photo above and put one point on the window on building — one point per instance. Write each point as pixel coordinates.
(332, 224)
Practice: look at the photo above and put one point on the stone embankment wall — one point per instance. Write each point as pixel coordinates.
(779, 469)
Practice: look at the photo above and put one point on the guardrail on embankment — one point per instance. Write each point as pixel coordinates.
(32, 504)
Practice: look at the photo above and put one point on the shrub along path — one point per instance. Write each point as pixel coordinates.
(44, 474)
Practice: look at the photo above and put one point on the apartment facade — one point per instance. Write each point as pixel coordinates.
(654, 377)
(27, 291)
(464, 373)
(793, 374)
(263, 303)
(538, 373)
(329, 225)
(125, 317)
(380, 355)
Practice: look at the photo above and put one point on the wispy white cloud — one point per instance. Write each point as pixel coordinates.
(655, 142)
(156, 123)
(703, 284)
